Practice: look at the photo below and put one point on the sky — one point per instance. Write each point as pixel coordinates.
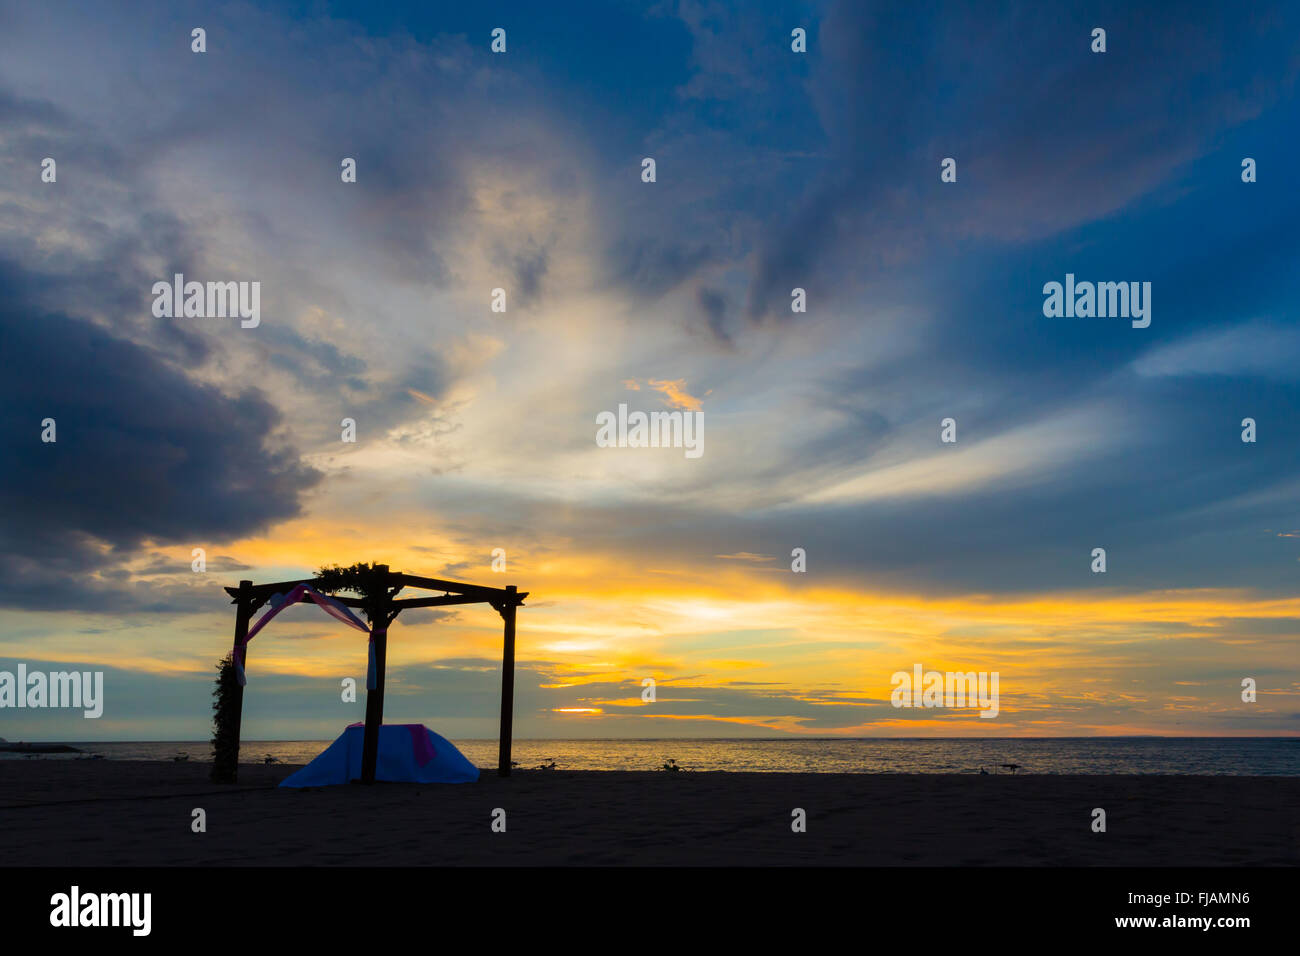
(475, 429)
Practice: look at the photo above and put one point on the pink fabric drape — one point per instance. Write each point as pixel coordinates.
(298, 593)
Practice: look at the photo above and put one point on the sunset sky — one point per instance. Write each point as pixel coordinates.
(476, 429)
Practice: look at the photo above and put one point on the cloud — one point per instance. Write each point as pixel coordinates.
(143, 455)
(714, 306)
(1047, 135)
(674, 392)
(1256, 348)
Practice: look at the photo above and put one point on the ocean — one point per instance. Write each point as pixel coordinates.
(1262, 756)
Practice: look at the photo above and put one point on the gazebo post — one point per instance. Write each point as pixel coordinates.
(243, 614)
(379, 619)
(507, 609)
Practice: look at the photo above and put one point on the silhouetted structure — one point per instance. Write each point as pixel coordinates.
(381, 607)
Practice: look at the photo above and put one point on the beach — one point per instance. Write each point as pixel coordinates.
(139, 813)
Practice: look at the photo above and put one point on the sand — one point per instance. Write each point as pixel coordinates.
(121, 813)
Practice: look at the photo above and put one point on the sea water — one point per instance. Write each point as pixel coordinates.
(1264, 756)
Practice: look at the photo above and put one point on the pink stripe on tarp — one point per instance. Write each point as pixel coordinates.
(421, 745)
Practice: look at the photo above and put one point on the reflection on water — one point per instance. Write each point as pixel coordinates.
(1199, 755)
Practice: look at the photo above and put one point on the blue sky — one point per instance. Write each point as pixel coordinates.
(775, 170)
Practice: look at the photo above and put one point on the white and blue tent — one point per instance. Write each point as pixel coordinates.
(408, 753)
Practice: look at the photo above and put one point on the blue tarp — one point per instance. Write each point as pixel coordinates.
(408, 753)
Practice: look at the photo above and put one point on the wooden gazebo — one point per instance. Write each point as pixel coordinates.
(381, 606)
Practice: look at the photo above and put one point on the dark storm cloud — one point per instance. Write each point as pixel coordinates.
(143, 454)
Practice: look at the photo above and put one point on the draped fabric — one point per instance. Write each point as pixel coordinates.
(335, 609)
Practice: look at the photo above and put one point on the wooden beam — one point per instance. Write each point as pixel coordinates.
(443, 601)
(397, 581)
(263, 592)
(507, 609)
(454, 587)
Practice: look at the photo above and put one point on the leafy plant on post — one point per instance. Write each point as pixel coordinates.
(227, 699)
(361, 579)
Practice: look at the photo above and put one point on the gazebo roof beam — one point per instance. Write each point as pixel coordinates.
(264, 591)
(470, 593)
(455, 587)
(442, 601)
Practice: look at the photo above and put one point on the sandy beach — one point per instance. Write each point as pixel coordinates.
(120, 813)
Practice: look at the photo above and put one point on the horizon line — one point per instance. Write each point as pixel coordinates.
(268, 740)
